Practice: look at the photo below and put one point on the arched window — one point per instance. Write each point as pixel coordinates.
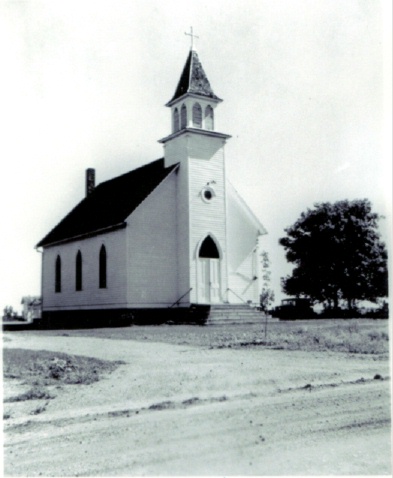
(78, 271)
(209, 249)
(209, 118)
(197, 115)
(175, 120)
(102, 268)
(58, 274)
(183, 117)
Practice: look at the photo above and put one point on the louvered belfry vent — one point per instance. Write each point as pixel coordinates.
(90, 181)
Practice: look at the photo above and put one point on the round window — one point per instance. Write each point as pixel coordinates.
(208, 194)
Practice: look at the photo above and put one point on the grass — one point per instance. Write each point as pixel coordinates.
(38, 410)
(355, 336)
(343, 338)
(35, 393)
(42, 368)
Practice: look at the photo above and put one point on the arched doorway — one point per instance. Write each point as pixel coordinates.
(209, 276)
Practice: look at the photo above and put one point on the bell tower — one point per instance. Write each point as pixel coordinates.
(198, 148)
(192, 107)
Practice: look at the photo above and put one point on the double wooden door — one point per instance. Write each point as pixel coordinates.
(208, 280)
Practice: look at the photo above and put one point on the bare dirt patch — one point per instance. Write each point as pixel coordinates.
(204, 409)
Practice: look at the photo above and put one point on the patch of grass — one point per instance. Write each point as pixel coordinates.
(32, 394)
(344, 337)
(162, 405)
(363, 336)
(191, 401)
(41, 368)
(39, 410)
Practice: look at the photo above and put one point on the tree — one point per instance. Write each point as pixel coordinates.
(338, 254)
(267, 294)
(9, 313)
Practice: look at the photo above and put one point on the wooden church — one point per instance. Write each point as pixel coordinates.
(169, 239)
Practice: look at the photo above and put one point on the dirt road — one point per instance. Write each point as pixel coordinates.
(182, 410)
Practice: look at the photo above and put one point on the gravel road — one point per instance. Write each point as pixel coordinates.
(183, 410)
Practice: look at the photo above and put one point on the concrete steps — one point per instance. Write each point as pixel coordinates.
(235, 314)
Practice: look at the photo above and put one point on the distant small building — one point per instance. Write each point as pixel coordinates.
(32, 307)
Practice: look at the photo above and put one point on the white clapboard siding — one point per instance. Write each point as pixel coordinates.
(183, 234)
(176, 151)
(152, 248)
(91, 296)
(243, 231)
(207, 169)
(242, 283)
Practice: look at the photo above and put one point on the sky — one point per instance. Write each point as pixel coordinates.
(307, 100)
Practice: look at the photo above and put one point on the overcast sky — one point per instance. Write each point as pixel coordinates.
(84, 84)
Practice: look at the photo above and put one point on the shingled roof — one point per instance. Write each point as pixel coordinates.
(109, 204)
(194, 80)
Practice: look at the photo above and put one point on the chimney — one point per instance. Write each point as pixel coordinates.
(90, 181)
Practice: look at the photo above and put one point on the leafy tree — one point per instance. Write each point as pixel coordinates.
(9, 313)
(338, 254)
(266, 298)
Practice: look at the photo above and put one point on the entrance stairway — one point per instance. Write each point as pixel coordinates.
(235, 314)
(198, 314)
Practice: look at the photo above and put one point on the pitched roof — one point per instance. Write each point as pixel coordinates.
(194, 79)
(109, 204)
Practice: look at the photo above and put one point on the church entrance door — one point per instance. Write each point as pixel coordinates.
(209, 277)
(209, 281)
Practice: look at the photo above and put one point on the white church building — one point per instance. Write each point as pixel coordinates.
(172, 235)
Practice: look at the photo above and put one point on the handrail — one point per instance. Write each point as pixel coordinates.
(238, 296)
(180, 298)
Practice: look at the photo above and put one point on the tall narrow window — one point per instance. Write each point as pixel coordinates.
(175, 120)
(102, 268)
(197, 115)
(78, 271)
(209, 118)
(58, 274)
(183, 117)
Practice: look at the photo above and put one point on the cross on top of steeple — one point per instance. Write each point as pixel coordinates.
(191, 34)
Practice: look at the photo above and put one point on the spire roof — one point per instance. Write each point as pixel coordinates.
(193, 80)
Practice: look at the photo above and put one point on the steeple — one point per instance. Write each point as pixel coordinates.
(192, 115)
(193, 104)
(193, 80)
